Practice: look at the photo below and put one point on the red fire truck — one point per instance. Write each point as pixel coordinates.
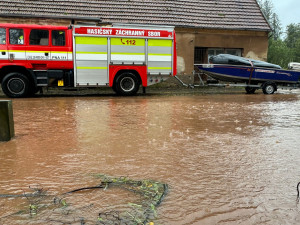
(119, 56)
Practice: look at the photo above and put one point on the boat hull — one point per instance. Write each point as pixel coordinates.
(235, 73)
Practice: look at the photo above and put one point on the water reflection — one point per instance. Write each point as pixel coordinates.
(229, 159)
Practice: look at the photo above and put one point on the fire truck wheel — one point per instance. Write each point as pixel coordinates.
(15, 85)
(127, 84)
(32, 90)
(114, 88)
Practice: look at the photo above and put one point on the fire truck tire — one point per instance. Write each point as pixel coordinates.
(114, 88)
(127, 84)
(15, 85)
(32, 90)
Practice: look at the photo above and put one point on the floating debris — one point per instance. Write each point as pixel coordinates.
(152, 193)
(142, 212)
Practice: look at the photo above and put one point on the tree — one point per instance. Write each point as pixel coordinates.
(276, 27)
(281, 52)
(267, 9)
(292, 41)
(292, 35)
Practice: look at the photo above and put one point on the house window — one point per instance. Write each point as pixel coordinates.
(39, 37)
(217, 51)
(234, 51)
(2, 36)
(16, 36)
(200, 55)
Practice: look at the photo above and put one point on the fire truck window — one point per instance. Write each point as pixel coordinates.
(16, 36)
(58, 38)
(2, 36)
(39, 37)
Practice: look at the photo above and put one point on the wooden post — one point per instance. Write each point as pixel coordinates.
(7, 130)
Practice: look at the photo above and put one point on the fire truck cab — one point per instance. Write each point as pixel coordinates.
(119, 56)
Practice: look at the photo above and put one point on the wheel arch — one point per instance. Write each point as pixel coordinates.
(19, 69)
(140, 71)
(136, 73)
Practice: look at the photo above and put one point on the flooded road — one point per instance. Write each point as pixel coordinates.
(227, 158)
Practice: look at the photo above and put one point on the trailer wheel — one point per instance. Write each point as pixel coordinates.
(269, 88)
(250, 90)
(127, 84)
(15, 85)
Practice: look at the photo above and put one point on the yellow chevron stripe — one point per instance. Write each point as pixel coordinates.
(128, 41)
(91, 40)
(160, 43)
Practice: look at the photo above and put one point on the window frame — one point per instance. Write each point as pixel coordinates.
(23, 35)
(5, 36)
(52, 40)
(48, 37)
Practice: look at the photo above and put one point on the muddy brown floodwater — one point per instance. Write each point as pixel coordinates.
(227, 158)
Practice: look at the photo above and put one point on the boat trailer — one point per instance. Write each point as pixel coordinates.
(268, 87)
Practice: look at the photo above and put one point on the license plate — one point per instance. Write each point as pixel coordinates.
(60, 83)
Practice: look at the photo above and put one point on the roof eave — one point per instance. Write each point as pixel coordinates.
(225, 28)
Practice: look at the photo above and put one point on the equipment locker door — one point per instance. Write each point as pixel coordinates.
(91, 61)
(160, 56)
(128, 51)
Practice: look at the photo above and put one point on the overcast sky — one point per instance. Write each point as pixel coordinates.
(288, 11)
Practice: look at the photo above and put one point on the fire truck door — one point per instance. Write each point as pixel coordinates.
(38, 51)
(91, 61)
(61, 56)
(3, 45)
(16, 45)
